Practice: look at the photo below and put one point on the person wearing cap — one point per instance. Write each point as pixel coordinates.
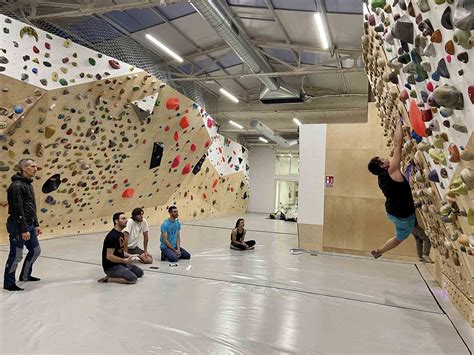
(399, 204)
(22, 225)
(136, 227)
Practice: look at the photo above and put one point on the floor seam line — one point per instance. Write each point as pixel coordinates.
(442, 310)
(255, 285)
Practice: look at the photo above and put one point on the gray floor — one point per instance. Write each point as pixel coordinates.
(225, 301)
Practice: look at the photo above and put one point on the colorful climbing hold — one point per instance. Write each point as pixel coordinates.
(172, 103)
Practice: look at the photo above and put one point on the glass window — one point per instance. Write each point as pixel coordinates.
(283, 165)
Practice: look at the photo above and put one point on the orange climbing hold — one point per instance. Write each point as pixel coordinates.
(416, 120)
(172, 103)
(187, 169)
(214, 183)
(184, 123)
(128, 193)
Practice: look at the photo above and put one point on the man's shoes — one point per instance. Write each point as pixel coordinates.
(421, 259)
(31, 278)
(13, 288)
(103, 280)
(427, 259)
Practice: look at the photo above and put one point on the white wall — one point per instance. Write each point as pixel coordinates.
(312, 174)
(262, 179)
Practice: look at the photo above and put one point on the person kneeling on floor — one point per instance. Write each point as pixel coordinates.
(238, 235)
(118, 268)
(170, 238)
(136, 226)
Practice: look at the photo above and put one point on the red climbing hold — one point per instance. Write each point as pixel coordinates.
(210, 122)
(172, 103)
(167, 128)
(207, 144)
(430, 87)
(176, 161)
(125, 181)
(470, 92)
(47, 46)
(36, 50)
(214, 183)
(114, 64)
(186, 169)
(128, 193)
(193, 147)
(184, 123)
(176, 136)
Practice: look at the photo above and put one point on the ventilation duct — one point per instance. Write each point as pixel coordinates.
(220, 19)
(270, 134)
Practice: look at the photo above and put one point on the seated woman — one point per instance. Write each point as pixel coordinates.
(238, 235)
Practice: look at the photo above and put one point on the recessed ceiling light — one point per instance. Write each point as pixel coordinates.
(262, 139)
(228, 95)
(163, 47)
(235, 124)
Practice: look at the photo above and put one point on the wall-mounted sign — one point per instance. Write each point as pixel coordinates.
(329, 181)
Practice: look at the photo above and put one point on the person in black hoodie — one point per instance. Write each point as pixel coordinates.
(22, 225)
(399, 202)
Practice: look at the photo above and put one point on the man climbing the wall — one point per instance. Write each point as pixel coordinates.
(22, 225)
(136, 226)
(170, 238)
(117, 267)
(399, 200)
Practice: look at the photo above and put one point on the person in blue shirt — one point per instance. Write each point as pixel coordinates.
(170, 238)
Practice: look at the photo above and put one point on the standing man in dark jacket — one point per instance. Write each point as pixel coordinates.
(399, 200)
(22, 225)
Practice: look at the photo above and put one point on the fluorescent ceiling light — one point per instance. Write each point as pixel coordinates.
(290, 155)
(321, 29)
(296, 121)
(235, 124)
(262, 139)
(164, 48)
(292, 143)
(229, 95)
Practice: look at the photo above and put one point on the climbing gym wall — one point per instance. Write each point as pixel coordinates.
(107, 137)
(355, 198)
(418, 57)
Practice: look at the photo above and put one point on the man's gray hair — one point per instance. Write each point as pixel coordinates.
(23, 163)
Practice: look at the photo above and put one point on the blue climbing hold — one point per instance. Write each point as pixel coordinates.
(416, 137)
(44, 210)
(18, 109)
(435, 76)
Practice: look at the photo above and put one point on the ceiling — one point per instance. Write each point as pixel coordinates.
(284, 31)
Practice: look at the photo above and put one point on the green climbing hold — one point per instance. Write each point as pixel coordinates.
(91, 61)
(136, 88)
(63, 82)
(378, 4)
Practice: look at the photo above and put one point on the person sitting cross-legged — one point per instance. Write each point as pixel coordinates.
(237, 236)
(171, 239)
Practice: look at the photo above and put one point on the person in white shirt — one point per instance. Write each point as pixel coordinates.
(136, 226)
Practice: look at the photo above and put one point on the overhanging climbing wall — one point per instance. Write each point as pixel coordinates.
(418, 57)
(107, 137)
